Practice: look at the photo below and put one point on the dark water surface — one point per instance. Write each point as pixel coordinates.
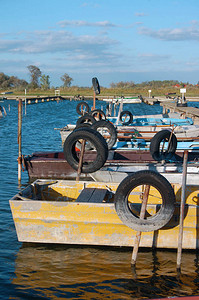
(69, 272)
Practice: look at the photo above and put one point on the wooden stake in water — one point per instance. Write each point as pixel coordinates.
(25, 102)
(81, 160)
(94, 100)
(138, 234)
(19, 138)
(182, 206)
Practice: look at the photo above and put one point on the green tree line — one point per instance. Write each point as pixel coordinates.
(42, 81)
(37, 80)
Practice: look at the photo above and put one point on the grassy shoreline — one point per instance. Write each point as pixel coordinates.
(117, 92)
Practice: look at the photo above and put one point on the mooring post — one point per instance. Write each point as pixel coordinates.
(81, 160)
(25, 102)
(182, 206)
(138, 234)
(94, 100)
(19, 138)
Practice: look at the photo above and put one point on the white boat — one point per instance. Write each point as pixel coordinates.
(125, 100)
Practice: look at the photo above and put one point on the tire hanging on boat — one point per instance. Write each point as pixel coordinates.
(157, 145)
(125, 114)
(103, 127)
(98, 114)
(87, 118)
(83, 125)
(93, 138)
(128, 212)
(82, 108)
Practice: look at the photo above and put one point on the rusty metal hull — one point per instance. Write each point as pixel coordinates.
(48, 212)
(52, 165)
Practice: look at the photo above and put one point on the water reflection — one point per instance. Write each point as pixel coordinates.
(60, 272)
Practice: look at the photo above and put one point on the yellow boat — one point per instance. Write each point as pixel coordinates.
(89, 213)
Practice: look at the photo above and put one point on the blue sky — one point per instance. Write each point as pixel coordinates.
(113, 40)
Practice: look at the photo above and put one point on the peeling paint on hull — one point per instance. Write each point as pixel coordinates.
(68, 222)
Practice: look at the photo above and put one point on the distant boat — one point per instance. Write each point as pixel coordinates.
(6, 93)
(137, 99)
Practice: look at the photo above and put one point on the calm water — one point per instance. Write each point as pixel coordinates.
(66, 272)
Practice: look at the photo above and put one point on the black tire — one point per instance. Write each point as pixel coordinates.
(82, 108)
(166, 208)
(126, 115)
(83, 125)
(155, 145)
(96, 85)
(98, 114)
(94, 138)
(105, 126)
(87, 118)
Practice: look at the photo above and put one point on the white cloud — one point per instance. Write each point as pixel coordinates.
(172, 34)
(141, 14)
(80, 23)
(150, 57)
(53, 42)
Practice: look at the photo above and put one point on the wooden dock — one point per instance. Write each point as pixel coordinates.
(155, 100)
(41, 99)
(190, 112)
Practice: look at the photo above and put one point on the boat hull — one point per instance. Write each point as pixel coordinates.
(53, 165)
(66, 222)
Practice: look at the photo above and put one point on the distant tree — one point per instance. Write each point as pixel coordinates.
(35, 73)
(15, 82)
(122, 84)
(8, 82)
(45, 82)
(67, 80)
(4, 80)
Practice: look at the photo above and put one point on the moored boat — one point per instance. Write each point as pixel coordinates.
(133, 99)
(89, 213)
(188, 132)
(120, 163)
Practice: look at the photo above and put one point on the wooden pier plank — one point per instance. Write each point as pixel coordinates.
(187, 111)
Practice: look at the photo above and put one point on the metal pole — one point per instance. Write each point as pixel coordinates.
(138, 234)
(81, 160)
(182, 206)
(19, 138)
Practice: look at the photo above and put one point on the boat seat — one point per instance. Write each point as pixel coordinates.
(92, 195)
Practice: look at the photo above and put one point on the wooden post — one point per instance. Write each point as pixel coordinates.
(25, 102)
(81, 160)
(19, 138)
(170, 137)
(138, 234)
(182, 206)
(94, 100)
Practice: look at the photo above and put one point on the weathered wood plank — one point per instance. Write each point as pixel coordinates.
(92, 195)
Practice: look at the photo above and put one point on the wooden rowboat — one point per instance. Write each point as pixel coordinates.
(53, 165)
(74, 212)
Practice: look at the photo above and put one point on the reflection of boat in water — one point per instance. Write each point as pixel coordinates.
(57, 272)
